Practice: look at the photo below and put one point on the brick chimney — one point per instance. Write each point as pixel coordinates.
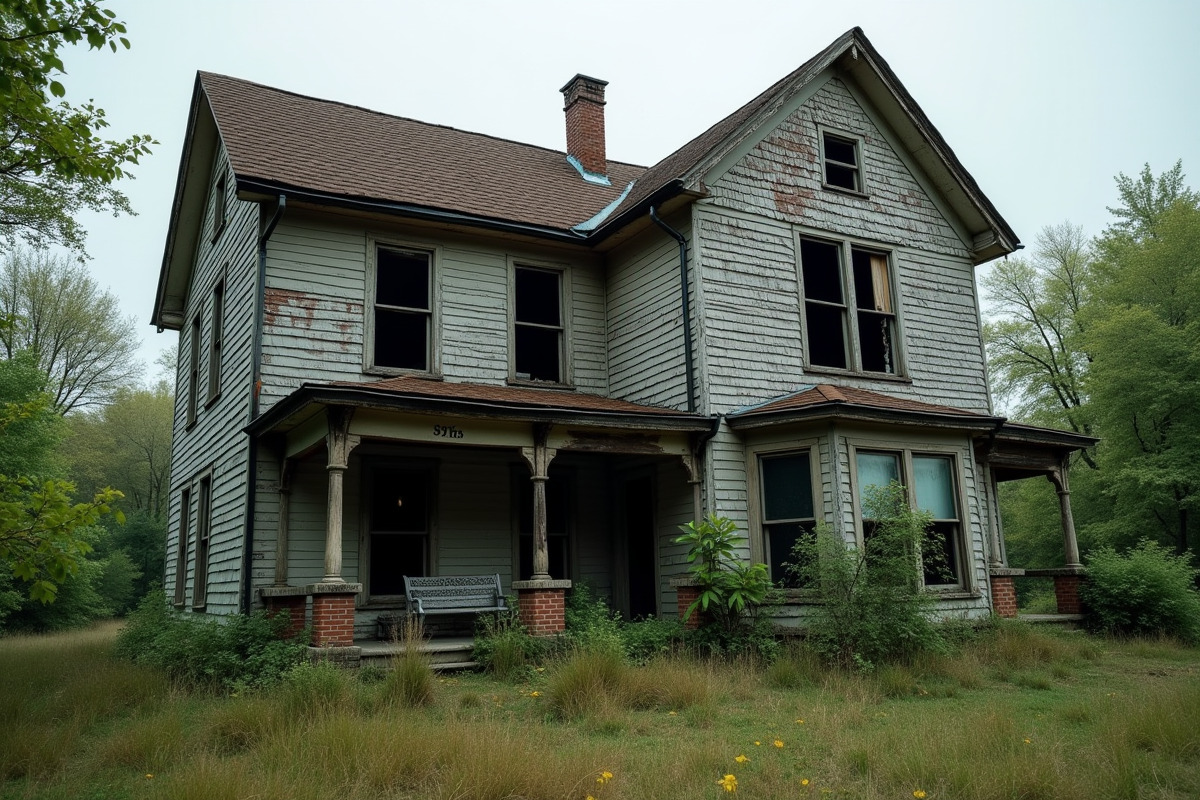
(584, 107)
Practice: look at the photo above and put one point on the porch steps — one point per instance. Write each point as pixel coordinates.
(446, 653)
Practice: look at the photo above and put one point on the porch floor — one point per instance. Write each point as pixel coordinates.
(449, 652)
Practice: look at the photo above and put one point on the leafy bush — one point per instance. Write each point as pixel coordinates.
(591, 625)
(231, 653)
(871, 604)
(651, 637)
(1145, 591)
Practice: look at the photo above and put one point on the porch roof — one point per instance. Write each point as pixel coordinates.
(825, 401)
(528, 404)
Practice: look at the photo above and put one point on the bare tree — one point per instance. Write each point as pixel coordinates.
(72, 327)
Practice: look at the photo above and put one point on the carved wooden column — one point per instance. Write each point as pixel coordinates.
(339, 443)
(1070, 545)
(541, 598)
(281, 527)
(539, 457)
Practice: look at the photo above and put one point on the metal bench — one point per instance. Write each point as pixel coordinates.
(452, 594)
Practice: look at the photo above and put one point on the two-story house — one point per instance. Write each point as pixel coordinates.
(407, 349)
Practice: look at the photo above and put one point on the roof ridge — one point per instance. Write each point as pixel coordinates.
(221, 76)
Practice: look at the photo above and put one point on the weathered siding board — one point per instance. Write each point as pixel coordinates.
(592, 505)
(215, 441)
(475, 537)
(645, 337)
(750, 271)
(673, 495)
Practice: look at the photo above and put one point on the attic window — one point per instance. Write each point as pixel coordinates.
(220, 208)
(841, 159)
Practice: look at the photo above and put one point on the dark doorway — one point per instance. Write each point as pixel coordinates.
(639, 546)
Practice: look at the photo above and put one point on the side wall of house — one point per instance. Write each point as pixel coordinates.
(317, 287)
(213, 447)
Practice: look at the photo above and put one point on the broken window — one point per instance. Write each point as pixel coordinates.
(203, 532)
(787, 502)
(841, 161)
(865, 341)
(181, 554)
(399, 529)
(558, 538)
(538, 331)
(403, 309)
(930, 486)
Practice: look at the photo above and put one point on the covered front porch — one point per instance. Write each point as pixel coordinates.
(424, 478)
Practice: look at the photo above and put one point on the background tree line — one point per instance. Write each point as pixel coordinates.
(1102, 336)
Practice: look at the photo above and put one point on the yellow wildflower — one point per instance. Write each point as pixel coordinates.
(149, 776)
(799, 722)
(742, 759)
(672, 713)
(804, 782)
(535, 694)
(919, 793)
(1029, 741)
(758, 744)
(728, 783)
(779, 743)
(604, 778)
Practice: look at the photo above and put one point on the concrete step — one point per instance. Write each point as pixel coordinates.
(444, 653)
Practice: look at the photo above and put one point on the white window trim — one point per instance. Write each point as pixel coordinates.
(434, 365)
(566, 364)
(906, 451)
(756, 512)
(858, 140)
(846, 246)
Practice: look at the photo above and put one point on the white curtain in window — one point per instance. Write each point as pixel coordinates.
(880, 284)
(934, 484)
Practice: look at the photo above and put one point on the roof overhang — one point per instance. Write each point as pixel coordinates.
(840, 410)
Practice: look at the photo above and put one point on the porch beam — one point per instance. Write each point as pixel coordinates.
(338, 443)
(1058, 477)
(281, 527)
(538, 458)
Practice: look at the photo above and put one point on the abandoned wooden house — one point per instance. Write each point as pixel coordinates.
(408, 350)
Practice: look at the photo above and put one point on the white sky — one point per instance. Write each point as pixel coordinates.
(1043, 102)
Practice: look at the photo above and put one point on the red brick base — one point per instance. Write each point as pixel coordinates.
(684, 597)
(1004, 596)
(294, 607)
(333, 620)
(543, 611)
(1066, 592)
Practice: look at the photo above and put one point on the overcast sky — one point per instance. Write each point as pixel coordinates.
(1043, 102)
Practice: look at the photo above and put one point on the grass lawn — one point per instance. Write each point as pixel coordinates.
(1018, 714)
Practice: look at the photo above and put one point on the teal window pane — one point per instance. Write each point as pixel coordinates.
(787, 487)
(934, 483)
(876, 469)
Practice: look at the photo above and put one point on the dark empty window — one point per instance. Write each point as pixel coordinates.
(193, 387)
(841, 162)
(220, 208)
(538, 325)
(824, 303)
(788, 516)
(203, 532)
(558, 539)
(873, 302)
(216, 340)
(403, 309)
(399, 528)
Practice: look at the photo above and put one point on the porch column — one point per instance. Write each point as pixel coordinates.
(339, 443)
(1058, 477)
(539, 457)
(691, 465)
(281, 528)
(996, 557)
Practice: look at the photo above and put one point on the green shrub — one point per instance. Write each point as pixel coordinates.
(587, 681)
(871, 603)
(503, 646)
(591, 624)
(230, 653)
(1145, 591)
(651, 637)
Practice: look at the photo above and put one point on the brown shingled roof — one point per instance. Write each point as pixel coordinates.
(293, 141)
(512, 396)
(826, 396)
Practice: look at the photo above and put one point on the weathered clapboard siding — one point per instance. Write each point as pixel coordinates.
(214, 445)
(476, 537)
(591, 505)
(645, 337)
(674, 507)
(315, 315)
(753, 345)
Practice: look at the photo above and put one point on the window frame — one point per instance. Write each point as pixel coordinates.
(851, 311)
(906, 451)
(759, 545)
(181, 552)
(203, 540)
(216, 339)
(220, 202)
(565, 360)
(192, 398)
(433, 313)
(856, 141)
(371, 467)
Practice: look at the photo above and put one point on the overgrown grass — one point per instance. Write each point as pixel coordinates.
(1018, 713)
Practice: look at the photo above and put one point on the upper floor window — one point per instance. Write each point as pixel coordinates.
(193, 385)
(931, 486)
(848, 324)
(401, 332)
(539, 332)
(216, 341)
(841, 159)
(220, 207)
